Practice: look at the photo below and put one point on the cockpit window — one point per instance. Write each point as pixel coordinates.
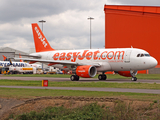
(138, 55)
(147, 55)
(143, 55)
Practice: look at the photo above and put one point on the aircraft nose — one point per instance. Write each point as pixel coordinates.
(153, 62)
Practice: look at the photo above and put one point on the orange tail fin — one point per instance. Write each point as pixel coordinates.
(40, 41)
(4, 57)
(20, 57)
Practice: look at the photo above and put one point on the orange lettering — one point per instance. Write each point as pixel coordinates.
(103, 58)
(55, 57)
(118, 53)
(62, 57)
(89, 55)
(68, 56)
(83, 55)
(95, 54)
(112, 55)
(75, 54)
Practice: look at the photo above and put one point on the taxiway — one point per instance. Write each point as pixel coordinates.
(82, 79)
(86, 88)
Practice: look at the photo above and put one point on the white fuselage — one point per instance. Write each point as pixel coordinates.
(36, 66)
(123, 59)
(14, 64)
(18, 64)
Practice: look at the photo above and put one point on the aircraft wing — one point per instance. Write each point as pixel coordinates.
(58, 62)
(34, 56)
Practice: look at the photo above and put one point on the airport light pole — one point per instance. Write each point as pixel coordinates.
(90, 18)
(42, 21)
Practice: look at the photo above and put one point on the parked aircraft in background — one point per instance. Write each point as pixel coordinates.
(87, 62)
(14, 64)
(30, 64)
(7, 62)
(5, 58)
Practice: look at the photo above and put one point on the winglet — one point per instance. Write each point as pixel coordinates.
(40, 41)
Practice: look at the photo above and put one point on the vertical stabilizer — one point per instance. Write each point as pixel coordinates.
(20, 57)
(4, 57)
(40, 41)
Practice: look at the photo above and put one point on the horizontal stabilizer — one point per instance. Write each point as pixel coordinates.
(34, 56)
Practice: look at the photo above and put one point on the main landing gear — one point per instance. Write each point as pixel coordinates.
(102, 77)
(134, 79)
(74, 77)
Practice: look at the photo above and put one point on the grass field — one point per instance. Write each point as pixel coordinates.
(109, 76)
(80, 84)
(19, 93)
(27, 93)
(22, 93)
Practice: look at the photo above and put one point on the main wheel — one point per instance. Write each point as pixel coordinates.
(72, 78)
(134, 79)
(102, 77)
(77, 77)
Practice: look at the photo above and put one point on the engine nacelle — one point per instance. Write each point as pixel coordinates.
(86, 71)
(128, 73)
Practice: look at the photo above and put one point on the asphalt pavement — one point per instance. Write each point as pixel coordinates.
(81, 79)
(151, 91)
(90, 89)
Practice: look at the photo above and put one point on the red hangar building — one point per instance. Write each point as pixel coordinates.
(136, 26)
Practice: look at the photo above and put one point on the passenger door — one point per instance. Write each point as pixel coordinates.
(127, 56)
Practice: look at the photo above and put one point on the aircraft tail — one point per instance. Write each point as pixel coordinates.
(4, 57)
(20, 57)
(40, 41)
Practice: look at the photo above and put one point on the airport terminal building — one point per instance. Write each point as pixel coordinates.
(10, 52)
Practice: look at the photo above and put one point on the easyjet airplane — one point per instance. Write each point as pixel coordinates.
(87, 62)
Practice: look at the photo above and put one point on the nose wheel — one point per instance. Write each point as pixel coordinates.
(74, 78)
(102, 77)
(134, 79)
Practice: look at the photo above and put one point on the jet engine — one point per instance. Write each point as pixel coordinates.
(131, 73)
(86, 71)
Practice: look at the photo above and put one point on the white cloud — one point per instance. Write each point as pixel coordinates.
(67, 26)
(20, 42)
(137, 2)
